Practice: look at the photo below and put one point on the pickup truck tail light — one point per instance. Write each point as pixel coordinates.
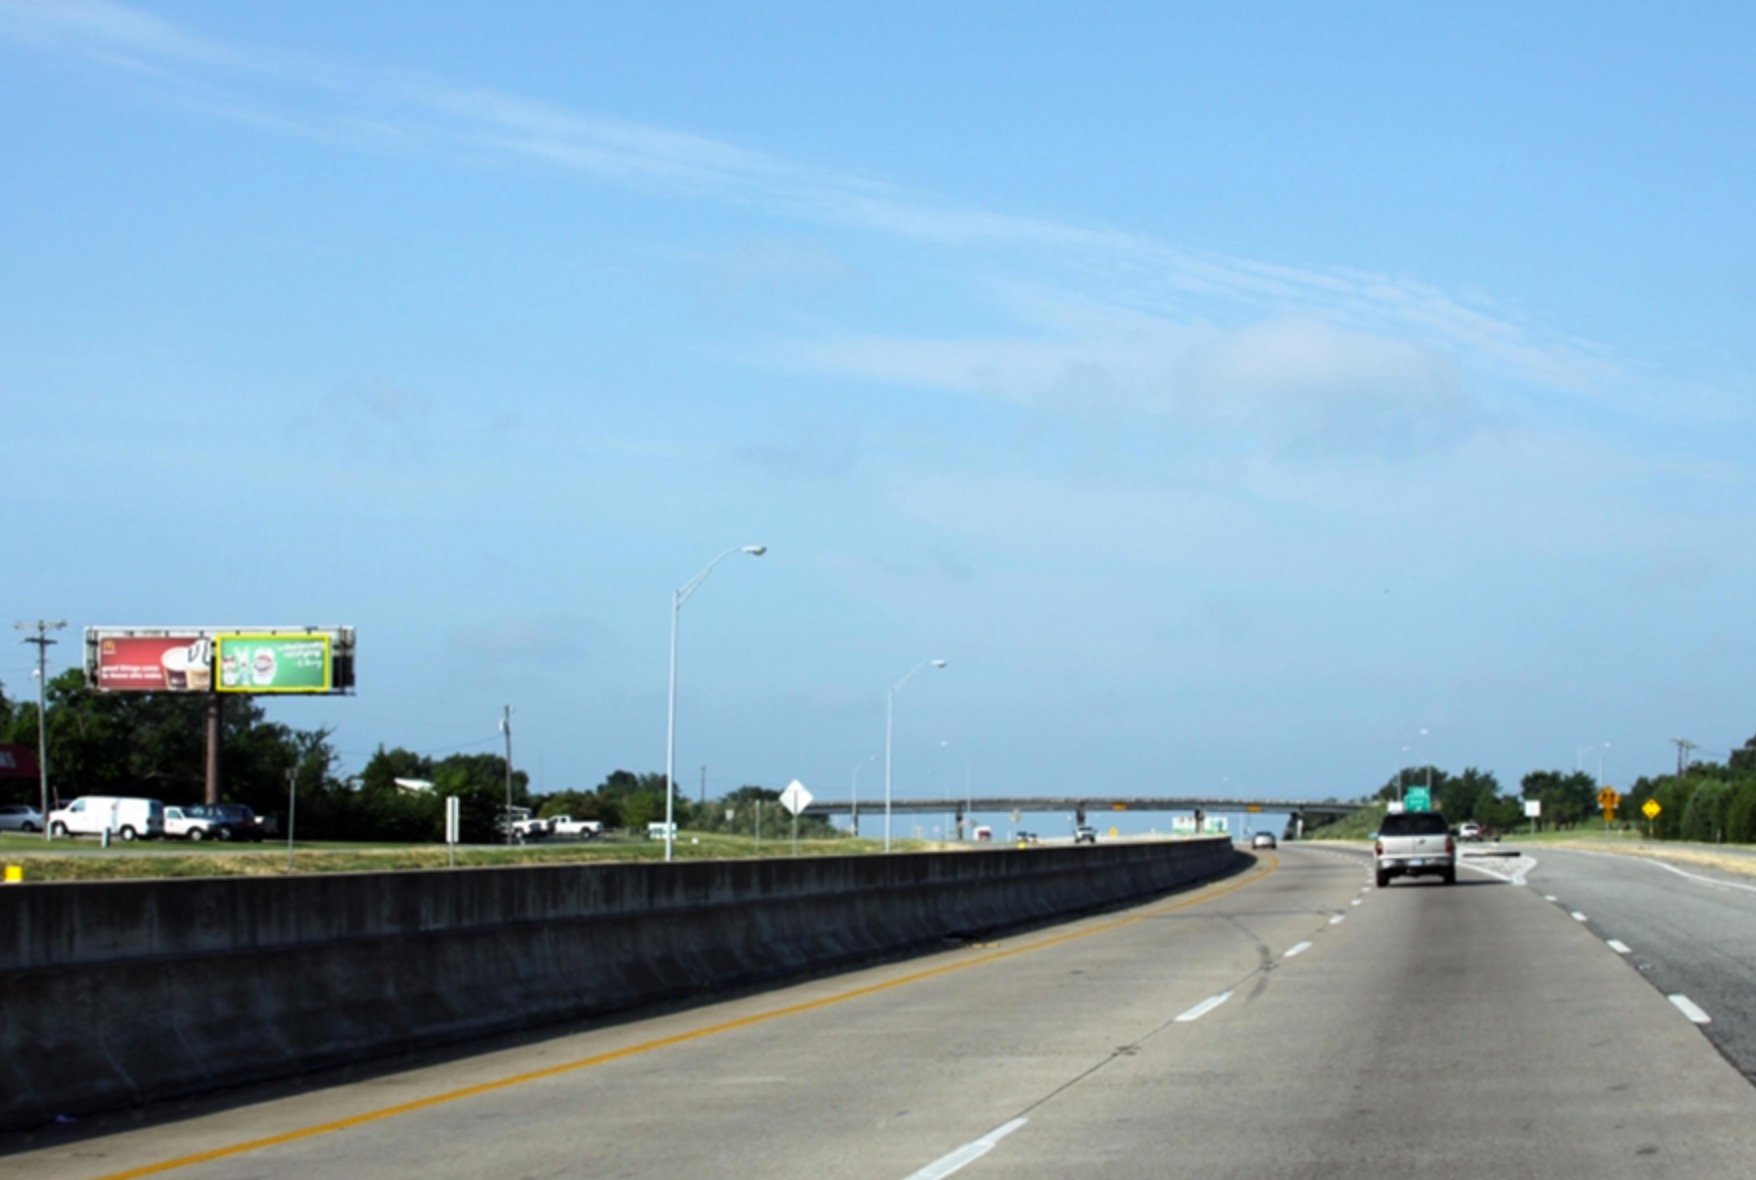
(1450, 846)
(1377, 848)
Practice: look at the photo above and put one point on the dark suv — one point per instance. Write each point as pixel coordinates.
(232, 821)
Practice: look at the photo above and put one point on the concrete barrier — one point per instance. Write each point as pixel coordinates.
(119, 993)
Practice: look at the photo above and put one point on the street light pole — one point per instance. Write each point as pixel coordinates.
(506, 730)
(968, 795)
(678, 598)
(889, 730)
(42, 627)
(855, 808)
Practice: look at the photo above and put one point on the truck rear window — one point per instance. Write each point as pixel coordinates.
(1414, 823)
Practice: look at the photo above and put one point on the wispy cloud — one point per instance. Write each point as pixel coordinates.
(1388, 328)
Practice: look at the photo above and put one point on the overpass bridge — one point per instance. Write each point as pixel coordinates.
(1085, 806)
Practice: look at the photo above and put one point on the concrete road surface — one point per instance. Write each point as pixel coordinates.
(1292, 1022)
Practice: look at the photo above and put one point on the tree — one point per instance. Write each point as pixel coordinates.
(1471, 795)
(1743, 759)
(1566, 798)
(639, 799)
(1704, 817)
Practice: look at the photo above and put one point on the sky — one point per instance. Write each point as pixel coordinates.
(1249, 399)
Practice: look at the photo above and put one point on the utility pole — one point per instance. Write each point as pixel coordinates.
(1685, 747)
(42, 627)
(506, 728)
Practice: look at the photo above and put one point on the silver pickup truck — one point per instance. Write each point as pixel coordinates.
(1415, 843)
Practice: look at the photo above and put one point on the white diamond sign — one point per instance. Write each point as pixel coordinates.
(795, 798)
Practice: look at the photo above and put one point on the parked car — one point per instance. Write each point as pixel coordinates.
(1262, 840)
(1085, 834)
(521, 825)
(182, 824)
(20, 817)
(231, 821)
(125, 816)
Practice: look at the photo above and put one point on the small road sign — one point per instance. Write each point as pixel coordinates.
(795, 798)
(1651, 809)
(1607, 798)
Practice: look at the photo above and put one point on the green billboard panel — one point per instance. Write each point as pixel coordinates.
(264, 663)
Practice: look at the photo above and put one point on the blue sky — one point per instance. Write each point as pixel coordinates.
(1229, 393)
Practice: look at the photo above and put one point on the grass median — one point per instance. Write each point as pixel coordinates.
(39, 860)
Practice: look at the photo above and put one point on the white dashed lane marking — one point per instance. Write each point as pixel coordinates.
(1204, 1007)
(1690, 1009)
(968, 1154)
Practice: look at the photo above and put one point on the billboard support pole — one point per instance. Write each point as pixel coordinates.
(212, 791)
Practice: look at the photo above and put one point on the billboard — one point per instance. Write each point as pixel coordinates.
(307, 660)
(268, 662)
(165, 662)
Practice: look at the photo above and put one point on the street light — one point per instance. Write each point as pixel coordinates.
(968, 818)
(856, 792)
(678, 598)
(1579, 758)
(889, 729)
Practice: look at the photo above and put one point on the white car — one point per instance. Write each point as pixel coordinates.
(1262, 840)
(180, 825)
(20, 817)
(125, 816)
(1413, 844)
(575, 829)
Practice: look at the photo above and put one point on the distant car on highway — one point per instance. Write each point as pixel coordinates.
(20, 817)
(1469, 829)
(1085, 834)
(1263, 840)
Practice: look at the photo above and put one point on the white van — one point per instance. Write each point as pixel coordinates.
(120, 815)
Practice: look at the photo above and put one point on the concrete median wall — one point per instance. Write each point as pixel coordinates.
(118, 993)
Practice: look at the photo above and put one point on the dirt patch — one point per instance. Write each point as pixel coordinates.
(1743, 866)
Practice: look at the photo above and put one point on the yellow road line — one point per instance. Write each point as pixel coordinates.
(537, 1075)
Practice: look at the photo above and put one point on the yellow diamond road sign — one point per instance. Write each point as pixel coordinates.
(1652, 809)
(1607, 798)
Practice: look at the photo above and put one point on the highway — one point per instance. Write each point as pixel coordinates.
(1689, 927)
(1292, 1021)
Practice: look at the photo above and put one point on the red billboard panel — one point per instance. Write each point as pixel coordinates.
(152, 663)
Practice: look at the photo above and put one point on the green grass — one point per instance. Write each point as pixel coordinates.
(87, 860)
